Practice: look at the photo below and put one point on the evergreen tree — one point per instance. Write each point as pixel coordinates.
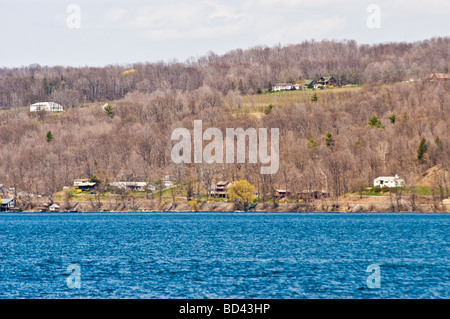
(375, 122)
(109, 110)
(329, 140)
(392, 118)
(421, 150)
(49, 136)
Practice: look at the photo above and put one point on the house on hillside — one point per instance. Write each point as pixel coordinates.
(220, 189)
(327, 81)
(7, 204)
(151, 187)
(309, 83)
(77, 182)
(439, 77)
(84, 184)
(282, 193)
(46, 106)
(131, 186)
(388, 181)
(284, 87)
(169, 181)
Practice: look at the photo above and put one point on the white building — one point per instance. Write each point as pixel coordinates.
(388, 181)
(139, 186)
(46, 106)
(169, 181)
(285, 87)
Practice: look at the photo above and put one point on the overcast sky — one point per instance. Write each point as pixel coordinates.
(49, 32)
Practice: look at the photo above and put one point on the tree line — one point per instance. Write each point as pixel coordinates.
(249, 71)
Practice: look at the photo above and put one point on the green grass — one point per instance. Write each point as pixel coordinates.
(258, 103)
(417, 190)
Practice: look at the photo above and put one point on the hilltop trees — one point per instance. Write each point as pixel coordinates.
(240, 71)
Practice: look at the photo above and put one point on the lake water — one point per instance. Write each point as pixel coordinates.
(224, 255)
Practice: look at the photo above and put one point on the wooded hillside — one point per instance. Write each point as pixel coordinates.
(339, 141)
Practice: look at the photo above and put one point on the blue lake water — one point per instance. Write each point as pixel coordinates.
(224, 255)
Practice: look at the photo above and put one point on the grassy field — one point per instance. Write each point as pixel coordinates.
(257, 103)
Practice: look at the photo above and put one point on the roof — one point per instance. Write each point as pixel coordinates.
(388, 177)
(222, 183)
(328, 78)
(306, 82)
(283, 84)
(6, 200)
(128, 184)
(51, 104)
(87, 184)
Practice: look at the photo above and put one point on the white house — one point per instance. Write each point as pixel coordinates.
(80, 181)
(46, 106)
(6, 204)
(139, 186)
(169, 181)
(84, 184)
(388, 181)
(284, 87)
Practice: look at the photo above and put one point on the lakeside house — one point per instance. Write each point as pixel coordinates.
(84, 184)
(46, 106)
(151, 187)
(131, 186)
(7, 204)
(388, 181)
(220, 189)
(311, 195)
(169, 181)
(282, 193)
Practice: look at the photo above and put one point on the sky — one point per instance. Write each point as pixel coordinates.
(122, 32)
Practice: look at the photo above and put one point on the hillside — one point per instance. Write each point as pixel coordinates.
(336, 139)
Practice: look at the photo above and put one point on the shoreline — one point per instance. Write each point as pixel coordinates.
(343, 207)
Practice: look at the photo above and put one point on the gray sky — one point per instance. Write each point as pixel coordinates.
(126, 31)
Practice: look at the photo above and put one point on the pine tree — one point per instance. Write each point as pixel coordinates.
(421, 150)
(49, 136)
(329, 140)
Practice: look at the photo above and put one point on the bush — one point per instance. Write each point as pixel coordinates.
(194, 205)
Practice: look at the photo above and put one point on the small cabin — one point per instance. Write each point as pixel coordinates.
(388, 181)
